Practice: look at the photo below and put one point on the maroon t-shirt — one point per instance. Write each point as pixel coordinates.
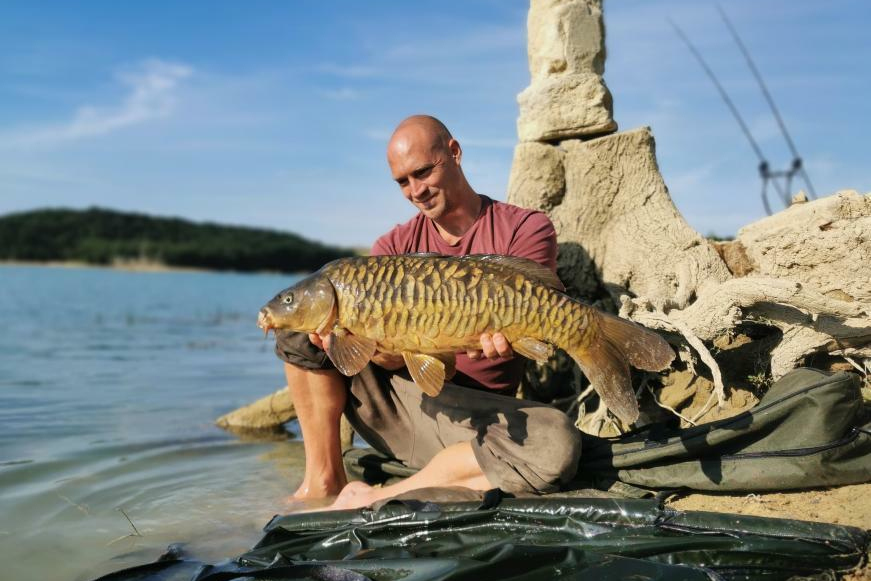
(500, 229)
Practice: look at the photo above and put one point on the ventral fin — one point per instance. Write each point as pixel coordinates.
(427, 371)
(349, 353)
(526, 267)
(533, 349)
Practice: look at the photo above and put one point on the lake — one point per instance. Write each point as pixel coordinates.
(110, 382)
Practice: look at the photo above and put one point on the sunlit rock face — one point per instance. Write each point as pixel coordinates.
(567, 96)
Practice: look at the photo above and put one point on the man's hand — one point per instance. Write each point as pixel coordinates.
(492, 347)
(388, 361)
(318, 341)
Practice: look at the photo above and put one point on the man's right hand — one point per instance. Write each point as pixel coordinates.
(388, 361)
(318, 341)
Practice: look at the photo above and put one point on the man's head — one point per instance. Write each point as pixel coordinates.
(425, 161)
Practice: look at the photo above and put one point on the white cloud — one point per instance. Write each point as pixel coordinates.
(379, 134)
(342, 94)
(688, 182)
(349, 71)
(152, 88)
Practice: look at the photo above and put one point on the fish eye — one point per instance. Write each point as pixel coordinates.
(288, 298)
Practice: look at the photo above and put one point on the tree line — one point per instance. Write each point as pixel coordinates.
(102, 236)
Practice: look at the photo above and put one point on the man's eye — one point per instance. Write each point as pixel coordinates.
(423, 172)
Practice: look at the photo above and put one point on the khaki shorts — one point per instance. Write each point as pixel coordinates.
(521, 446)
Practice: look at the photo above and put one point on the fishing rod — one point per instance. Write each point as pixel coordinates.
(797, 165)
(765, 172)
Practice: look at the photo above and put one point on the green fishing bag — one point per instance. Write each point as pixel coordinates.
(809, 430)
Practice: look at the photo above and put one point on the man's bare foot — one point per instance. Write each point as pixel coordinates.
(293, 505)
(355, 495)
(312, 488)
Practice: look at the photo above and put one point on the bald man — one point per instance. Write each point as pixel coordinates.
(474, 434)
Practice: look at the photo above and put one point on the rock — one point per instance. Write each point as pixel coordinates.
(565, 36)
(346, 433)
(537, 176)
(567, 96)
(733, 254)
(824, 244)
(266, 413)
(800, 197)
(570, 106)
(618, 215)
(679, 387)
(271, 412)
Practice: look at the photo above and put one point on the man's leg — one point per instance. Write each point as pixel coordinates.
(462, 437)
(455, 465)
(319, 397)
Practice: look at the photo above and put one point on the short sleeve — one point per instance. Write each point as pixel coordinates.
(383, 246)
(535, 239)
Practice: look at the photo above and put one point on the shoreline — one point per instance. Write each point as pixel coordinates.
(140, 266)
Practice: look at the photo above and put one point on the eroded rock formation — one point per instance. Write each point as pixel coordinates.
(795, 286)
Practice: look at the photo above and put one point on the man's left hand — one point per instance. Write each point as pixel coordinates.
(493, 346)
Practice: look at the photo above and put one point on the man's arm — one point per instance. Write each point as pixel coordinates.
(535, 239)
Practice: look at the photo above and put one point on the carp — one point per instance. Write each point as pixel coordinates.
(428, 307)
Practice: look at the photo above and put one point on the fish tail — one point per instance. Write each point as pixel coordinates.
(611, 344)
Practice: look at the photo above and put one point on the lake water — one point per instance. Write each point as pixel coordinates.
(110, 382)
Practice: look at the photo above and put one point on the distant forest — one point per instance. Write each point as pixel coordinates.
(101, 236)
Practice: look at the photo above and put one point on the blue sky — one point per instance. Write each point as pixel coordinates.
(276, 114)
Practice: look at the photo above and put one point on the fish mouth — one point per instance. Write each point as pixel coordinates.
(265, 322)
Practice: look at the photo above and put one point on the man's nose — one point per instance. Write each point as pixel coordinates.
(416, 187)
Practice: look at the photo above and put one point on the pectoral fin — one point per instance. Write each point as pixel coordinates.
(349, 353)
(427, 371)
(533, 349)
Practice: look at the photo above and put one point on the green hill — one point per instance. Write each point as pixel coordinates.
(102, 236)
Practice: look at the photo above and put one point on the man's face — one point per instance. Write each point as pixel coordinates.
(427, 171)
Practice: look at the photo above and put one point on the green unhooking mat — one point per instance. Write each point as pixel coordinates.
(529, 539)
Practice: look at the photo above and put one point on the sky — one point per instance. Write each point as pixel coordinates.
(276, 114)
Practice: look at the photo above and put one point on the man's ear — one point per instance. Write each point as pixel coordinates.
(456, 150)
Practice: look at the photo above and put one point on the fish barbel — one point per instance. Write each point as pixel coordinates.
(428, 307)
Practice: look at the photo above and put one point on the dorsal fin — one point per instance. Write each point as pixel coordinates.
(426, 255)
(525, 266)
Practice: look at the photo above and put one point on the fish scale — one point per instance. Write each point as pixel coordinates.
(412, 291)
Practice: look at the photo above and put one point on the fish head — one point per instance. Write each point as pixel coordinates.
(308, 306)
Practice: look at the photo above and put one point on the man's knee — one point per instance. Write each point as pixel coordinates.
(558, 446)
(544, 459)
(296, 349)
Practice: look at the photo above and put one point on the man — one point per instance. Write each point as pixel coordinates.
(473, 434)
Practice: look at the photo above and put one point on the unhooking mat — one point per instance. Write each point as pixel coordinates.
(529, 539)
